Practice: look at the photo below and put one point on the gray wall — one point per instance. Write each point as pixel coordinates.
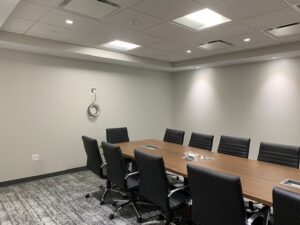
(44, 101)
(260, 101)
(43, 109)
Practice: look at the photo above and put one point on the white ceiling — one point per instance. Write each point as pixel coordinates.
(153, 30)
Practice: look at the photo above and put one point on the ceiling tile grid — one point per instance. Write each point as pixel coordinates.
(149, 23)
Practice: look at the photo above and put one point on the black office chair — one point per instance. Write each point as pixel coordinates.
(202, 141)
(234, 146)
(286, 207)
(117, 135)
(279, 154)
(217, 198)
(120, 135)
(154, 186)
(94, 160)
(174, 136)
(117, 174)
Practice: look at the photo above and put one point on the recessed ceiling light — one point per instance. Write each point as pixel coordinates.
(69, 22)
(247, 39)
(188, 51)
(120, 45)
(273, 57)
(202, 19)
(134, 23)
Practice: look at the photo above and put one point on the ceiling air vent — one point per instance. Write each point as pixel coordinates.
(285, 30)
(91, 8)
(214, 45)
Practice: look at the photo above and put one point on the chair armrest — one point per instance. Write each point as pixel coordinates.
(176, 190)
(104, 164)
(131, 174)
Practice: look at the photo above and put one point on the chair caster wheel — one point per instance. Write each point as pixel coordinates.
(101, 202)
(114, 204)
(87, 195)
(111, 216)
(139, 220)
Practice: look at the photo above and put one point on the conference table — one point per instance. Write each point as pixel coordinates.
(258, 178)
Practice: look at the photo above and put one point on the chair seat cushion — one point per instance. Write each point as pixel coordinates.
(179, 200)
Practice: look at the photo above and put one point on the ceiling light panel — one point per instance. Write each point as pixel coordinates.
(214, 45)
(202, 19)
(120, 45)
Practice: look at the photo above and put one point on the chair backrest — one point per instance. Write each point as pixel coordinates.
(279, 154)
(153, 185)
(174, 136)
(94, 159)
(117, 135)
(202, 141)
(116, 169)
(286, 207)
(217, 198)
(234, 146)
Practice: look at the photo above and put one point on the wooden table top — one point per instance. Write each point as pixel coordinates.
(258, 178)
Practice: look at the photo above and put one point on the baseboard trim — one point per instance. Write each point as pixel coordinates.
(28, 179)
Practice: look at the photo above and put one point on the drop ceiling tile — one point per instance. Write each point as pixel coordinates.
(49, 3)
(145, 52)
(17, 25)
(256, 38)
(225, 30)
(132, 19)
(27, 10)
(140, 39)
(260, 44)
(50, 32)
(82, 24)
(273, 19)
(168, 9)
(238, 9)
(193, 39)
(168, 31)
(167, 46)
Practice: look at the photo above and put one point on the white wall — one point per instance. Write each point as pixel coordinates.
(260, 101)
(43, 109)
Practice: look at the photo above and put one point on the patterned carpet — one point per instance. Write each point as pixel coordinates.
(58, 201)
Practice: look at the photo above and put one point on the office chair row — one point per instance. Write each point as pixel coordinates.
(268, 152)
(216, 197)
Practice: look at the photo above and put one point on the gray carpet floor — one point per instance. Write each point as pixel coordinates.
(59, 200)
